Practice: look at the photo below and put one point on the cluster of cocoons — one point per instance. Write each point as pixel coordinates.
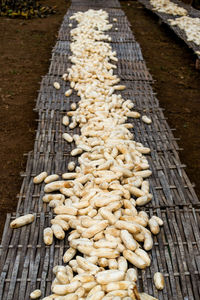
(191, 26)
(168, 7)
(98, 199)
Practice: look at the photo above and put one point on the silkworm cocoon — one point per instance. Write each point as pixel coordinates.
(73, 263)
(85, 264)
(73, 106)
(58, 231)
(85, 249)
(139, 220)
(67, 137)
(81, 241)
(48, 198)
(59, 268)
(56, 85)
(131, 227)
(69, 254)
(108, 276)
(53, 186)
(92, 259)
(133, 114)
(104, 252)
(66, 288)
(68, 192)
(146, 120)
(106, 244)
(62, 223)
(65, 120)
(62, 277)
(39, 178)
(69, 272)
(120, 293)
(104, 201)
(114, 206)
(133, 258)
(66, 218)
(159, 281)
(71, 166)
(86, 221)
(103, 262)
(93, 291)
(148, 241)
(76, 151)
(143, 200)
(153, 225)
(51, 178)
(35, 294)
(106, 214)
(145, 186)
(72, 125)
(97, 296)
(59, 210)
(89, 285)
(71, 296)
(119, 285)
(144, 296)
(90, 232)
(122, 264)
(131, 275)
(128, 240)
(143, 215)
(112, 264)
(139, 236)
(80, 292)
(143, 150)
(143, 174)
(112, 231)
(84, 277)
(98, 236)
(64, 76)
(158, 220)
(68, 93)
(119, 87)
(141, 253)
(48, 236)
(69, 175)
(136, 191)
(21, 221)
(53, 203)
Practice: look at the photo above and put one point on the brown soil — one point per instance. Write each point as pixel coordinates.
(177, 85)
(24, 58)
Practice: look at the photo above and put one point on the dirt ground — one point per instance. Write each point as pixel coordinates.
(24, 57)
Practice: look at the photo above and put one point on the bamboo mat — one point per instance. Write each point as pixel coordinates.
(193, 13)
(26, 262)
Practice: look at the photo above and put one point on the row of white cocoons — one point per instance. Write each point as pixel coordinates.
(191, 26)
(168, 7)
(98, 198)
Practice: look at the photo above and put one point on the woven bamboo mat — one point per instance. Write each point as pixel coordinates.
(165, 17)
(26, 262)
